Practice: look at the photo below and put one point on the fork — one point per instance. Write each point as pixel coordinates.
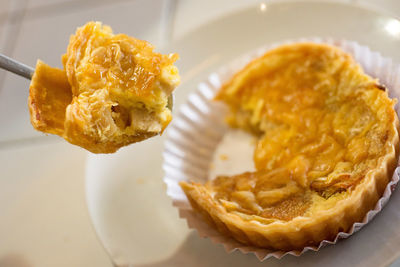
(16, 67)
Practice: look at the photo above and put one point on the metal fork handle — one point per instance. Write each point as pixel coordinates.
(16, 67)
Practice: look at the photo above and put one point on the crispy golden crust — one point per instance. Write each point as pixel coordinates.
(49, 96)
(327, 147)
(113, 92)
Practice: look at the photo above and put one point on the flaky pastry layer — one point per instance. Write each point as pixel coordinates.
(112, 92)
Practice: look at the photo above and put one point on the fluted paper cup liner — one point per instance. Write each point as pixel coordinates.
(200, 145)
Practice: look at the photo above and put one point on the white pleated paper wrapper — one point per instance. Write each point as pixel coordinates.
(200, 145)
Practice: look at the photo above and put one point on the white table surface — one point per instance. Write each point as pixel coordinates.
(43, 215)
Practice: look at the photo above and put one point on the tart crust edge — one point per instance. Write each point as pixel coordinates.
(301, 231)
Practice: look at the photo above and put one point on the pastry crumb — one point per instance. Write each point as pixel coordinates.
(223, 157)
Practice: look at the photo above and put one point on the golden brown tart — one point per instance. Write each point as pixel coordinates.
(327, 147)
(112, 92)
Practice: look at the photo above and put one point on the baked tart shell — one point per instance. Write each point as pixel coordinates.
(287, 236)
(300, 231)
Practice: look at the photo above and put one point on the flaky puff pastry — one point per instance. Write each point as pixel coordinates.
(112, 92)
(327, 147)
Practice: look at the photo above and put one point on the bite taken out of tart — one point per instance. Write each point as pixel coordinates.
(327, 146)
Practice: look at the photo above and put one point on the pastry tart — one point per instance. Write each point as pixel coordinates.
(112, 92)
(327, 142)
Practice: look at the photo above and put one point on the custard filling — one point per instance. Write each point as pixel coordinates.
(321, 123)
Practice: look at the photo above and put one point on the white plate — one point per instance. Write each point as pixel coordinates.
(126, 197)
